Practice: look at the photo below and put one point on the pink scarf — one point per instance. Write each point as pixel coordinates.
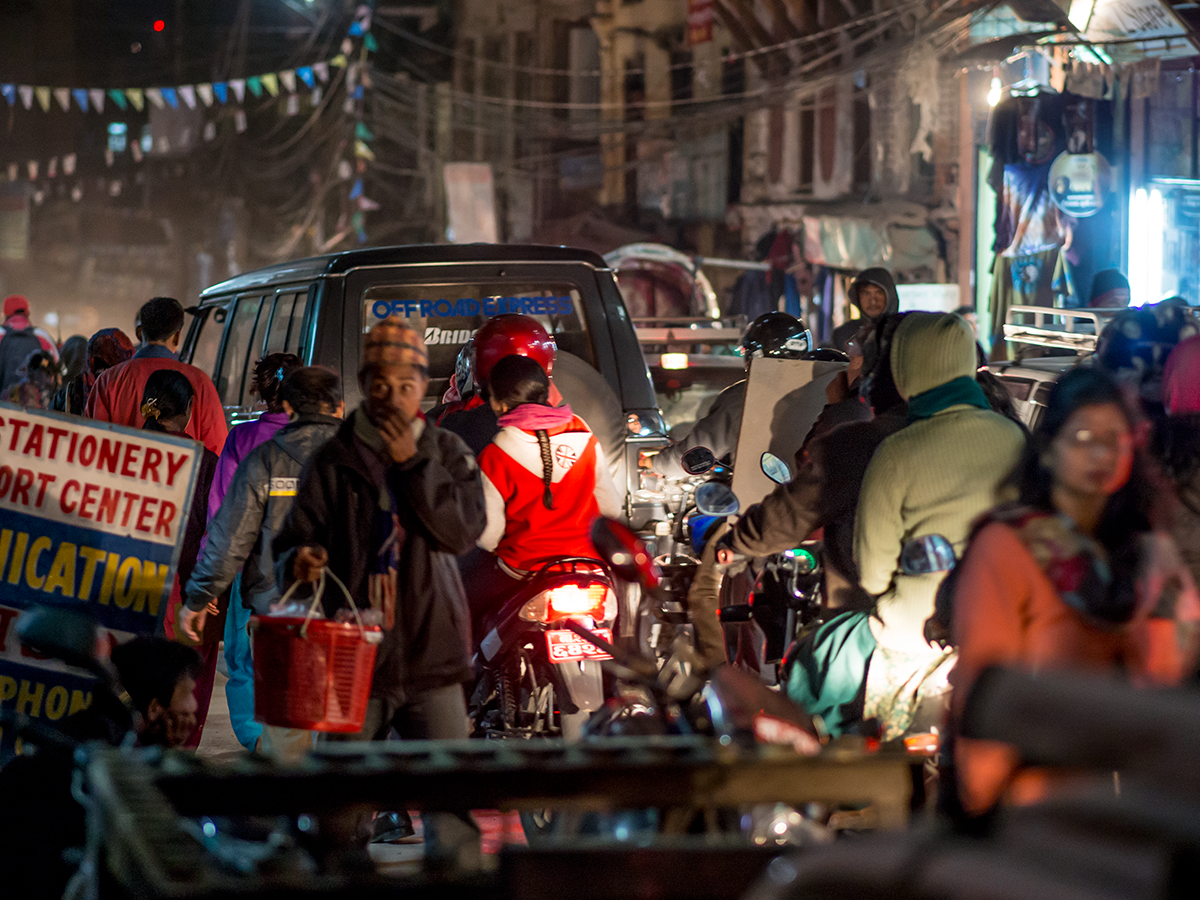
(536, 417)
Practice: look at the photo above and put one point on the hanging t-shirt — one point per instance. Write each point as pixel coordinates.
(1028, 218)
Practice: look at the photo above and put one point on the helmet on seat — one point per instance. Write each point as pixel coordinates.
(511, 334)
(778, 335)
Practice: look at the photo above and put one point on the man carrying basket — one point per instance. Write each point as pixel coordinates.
(387, 504)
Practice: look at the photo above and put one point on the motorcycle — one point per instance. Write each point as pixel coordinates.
(534, 676)
(678, 544)
(681, 698)
(785, 598)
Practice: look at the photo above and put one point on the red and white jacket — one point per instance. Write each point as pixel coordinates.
(520, 529)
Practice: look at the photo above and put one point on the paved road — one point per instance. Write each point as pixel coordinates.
(498, 828)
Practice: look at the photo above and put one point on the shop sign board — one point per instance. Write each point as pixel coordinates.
(1132, 22)
(92, 515)
(699, 22)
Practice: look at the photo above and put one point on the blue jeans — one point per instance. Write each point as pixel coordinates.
(239, 690)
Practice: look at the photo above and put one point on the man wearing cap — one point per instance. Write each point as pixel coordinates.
(18, 338)
(387, 504)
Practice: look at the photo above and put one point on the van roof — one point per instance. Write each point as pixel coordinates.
(339, 263)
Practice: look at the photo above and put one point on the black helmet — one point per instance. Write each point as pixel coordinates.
(778, 335)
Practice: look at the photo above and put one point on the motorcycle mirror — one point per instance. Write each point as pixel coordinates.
(927, 554)
(66, 634)
(620, 548)
(715, 499)
(775, 468)
(698, 460)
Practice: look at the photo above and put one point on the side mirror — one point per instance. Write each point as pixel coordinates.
(697, 461)
(65, 634)
(625, 554)
(715, 499)
(775, 468)
(926, 555)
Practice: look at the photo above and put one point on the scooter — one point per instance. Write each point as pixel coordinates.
(534, 676)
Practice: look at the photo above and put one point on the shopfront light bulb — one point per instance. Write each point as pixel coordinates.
(994, 92)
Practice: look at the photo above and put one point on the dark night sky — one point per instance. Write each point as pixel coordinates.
(90, 42)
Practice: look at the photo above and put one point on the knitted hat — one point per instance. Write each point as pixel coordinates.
(930, 349)
(1107, 280)
(13, 304)
(1181, 379)
(395, 342)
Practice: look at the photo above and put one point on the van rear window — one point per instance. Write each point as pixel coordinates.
(449, 314)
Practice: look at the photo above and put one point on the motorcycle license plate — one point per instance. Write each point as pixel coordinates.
(567, 646)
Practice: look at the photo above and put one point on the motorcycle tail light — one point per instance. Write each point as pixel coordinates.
(595, 600)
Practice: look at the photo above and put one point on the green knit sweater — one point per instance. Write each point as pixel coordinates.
(935, 476)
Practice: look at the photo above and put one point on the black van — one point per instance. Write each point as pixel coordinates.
(320, 308)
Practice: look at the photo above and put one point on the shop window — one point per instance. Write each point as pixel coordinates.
(861, 141)
(807, 156)
(681, 76)
(525, 60)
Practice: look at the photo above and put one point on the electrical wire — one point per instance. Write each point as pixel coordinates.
(782, 46)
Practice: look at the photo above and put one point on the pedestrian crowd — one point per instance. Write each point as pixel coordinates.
(1078, 545)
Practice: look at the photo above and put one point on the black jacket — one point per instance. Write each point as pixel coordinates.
(823, 493)
(257, 502)
(441, 508)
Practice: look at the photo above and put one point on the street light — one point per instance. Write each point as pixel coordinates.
(994, 93)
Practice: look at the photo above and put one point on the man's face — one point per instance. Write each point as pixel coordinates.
(872, 300)
(392, 388)
(1117, 297)
(172, 725)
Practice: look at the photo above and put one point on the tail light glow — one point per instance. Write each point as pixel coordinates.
(594, 599)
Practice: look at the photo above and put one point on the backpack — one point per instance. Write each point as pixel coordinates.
(15, 348)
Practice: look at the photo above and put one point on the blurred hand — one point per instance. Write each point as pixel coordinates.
(936, 634)
(310, 561)
(370, 617)
(191, 621)
(644, 459)
(398, 437)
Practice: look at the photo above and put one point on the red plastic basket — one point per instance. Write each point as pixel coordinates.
(316, 676)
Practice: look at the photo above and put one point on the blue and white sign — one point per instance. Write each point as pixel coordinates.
(92, 515)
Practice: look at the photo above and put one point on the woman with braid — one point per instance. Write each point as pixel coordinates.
(545, 481)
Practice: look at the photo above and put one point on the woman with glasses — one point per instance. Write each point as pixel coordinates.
(1073, 576)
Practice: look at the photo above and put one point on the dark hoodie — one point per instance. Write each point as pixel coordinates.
(879, 277)
(253, 511)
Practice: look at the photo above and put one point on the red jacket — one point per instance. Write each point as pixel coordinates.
(117, 396)
(520, 529)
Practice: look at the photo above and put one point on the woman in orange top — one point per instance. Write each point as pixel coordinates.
(1071, 577)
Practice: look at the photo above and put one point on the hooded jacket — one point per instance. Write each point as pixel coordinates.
(879, 277)
(935, 476)
(441, 510)
(252, 512)
(521, 529)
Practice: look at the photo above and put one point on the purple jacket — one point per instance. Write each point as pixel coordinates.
(242, 439)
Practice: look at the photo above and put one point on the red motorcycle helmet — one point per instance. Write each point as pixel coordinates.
(512, 334)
